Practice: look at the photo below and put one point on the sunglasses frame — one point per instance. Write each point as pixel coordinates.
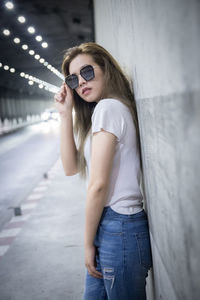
(76, 77)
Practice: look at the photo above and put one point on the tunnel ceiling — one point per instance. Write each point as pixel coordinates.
(62, 24)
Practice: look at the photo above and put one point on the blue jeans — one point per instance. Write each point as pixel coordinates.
(123, 256)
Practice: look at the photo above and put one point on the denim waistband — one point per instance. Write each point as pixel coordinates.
(110, 213)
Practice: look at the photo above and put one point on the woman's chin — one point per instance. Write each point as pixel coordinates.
(89, 98)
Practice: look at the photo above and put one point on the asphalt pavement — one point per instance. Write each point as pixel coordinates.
(41, 250)
(25, 155)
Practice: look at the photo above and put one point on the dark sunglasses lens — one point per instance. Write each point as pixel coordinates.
(72, 81)
(87, 72)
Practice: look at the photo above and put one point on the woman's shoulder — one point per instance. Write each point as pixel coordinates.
(111, 103)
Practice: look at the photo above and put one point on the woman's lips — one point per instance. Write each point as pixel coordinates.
(86, 91)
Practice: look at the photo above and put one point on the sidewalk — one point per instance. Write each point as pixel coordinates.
(41, 251)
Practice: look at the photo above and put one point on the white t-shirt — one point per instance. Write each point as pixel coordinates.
(124, 194)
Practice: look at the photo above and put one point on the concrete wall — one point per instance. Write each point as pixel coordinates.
(15, 105)
(157, 43)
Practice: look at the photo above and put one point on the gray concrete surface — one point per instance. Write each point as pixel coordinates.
(46, 259)
(157, 43)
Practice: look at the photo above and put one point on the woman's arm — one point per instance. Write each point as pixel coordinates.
(103, 149)
(68, 148)
(64, 102)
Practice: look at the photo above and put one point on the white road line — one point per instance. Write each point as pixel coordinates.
(28, 205)
(20, 218)
(10, 232)
(40, 189)
(44, 182)
(35, 197)
(3, 249)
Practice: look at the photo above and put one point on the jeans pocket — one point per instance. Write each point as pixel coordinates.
(144, 249)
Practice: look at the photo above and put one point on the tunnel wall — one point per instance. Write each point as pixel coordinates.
(157, 43)
(15, 105)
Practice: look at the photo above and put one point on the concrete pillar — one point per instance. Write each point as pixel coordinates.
(157, 43)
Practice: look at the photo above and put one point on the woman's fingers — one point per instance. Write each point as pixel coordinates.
(93, 272)
(61, 94)
(58, 97)
(62, 89)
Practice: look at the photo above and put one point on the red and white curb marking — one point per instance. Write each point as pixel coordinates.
(12, 229)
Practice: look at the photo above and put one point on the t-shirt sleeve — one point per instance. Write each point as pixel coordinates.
(108, 117)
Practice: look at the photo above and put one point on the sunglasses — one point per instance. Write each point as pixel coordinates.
(86, 72)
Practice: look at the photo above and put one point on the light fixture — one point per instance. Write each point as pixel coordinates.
(21, 19)
(31, 29)
(31, 80)
(44, 45)
(38, 38)
(24, 47)
(37, 56)
(6, 67)
(31, 52)
(6, 32)
(9, 5)
(16, 40)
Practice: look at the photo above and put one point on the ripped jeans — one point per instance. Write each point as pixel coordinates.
(123, 256)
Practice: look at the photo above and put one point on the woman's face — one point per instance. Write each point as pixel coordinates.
(92, 90)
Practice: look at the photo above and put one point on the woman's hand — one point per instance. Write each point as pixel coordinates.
(64, 99)
(90, 262)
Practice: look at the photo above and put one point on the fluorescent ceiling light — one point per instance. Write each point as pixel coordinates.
(6, 32)
(21, 19)
(31, 52)
(44, 45)
(31, 29)
(25, 47)
(38, 38)
(16, 40)
(9, 5)
(6, 67)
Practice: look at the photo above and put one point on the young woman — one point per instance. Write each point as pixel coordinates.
(117, 243)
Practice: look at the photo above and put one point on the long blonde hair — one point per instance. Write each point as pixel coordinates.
(115, 83)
